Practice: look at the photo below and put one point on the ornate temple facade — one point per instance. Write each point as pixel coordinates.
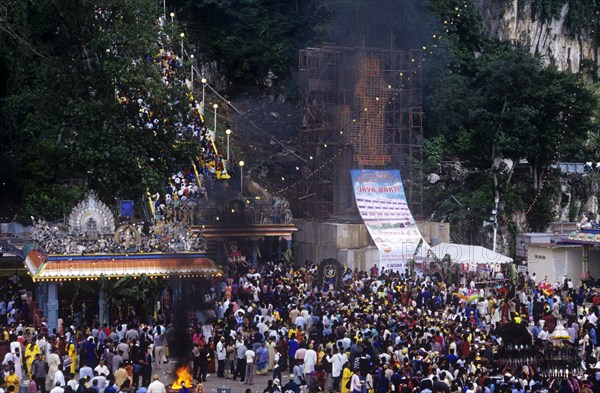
(91, 247)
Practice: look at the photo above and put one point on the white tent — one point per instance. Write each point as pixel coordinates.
(472, 255)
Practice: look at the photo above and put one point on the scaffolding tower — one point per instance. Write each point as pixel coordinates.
(361, 108)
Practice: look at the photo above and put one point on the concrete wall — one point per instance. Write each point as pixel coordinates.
(434, 233)
(594, 263)
(350, 243)
(555, 262)
(573, 257)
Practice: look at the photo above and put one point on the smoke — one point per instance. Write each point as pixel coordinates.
(181, 347)
(389, 24)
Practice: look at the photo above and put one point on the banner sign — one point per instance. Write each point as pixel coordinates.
(382, 205)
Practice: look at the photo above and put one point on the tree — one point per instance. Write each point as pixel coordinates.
(63, 129)
(508, 106)
(250, 37)
(493, 101)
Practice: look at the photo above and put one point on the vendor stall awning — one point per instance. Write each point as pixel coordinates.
(474, 255)
(65, 267)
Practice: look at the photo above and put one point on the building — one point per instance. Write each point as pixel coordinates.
(554, 256)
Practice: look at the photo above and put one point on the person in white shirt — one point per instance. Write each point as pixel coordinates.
(73, 383)
(8, 358)
(221, 357)
(300, 321)
(250, 367)
(355, 384)
(53, 365)
(59, 377)
(14, 346)
(101, 382)
(57, 389)
(310, 360)
(86, 371)
(156, 386)
(337, 365)
(101, 368)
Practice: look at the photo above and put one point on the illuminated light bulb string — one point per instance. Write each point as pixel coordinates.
(451, 20)
(565, 127)
(351, 142)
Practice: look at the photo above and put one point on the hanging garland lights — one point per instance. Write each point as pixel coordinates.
(449, 22)
(556, 155)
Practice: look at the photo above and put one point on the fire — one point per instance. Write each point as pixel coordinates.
(182, 375)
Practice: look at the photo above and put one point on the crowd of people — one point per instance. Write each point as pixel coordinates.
(379, 332)
(171, 68)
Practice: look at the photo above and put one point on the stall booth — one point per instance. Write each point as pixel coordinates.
(481, 261)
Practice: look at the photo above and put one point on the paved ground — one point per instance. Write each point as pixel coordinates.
(213, 383)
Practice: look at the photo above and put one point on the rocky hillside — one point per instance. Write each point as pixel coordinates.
(550, 38)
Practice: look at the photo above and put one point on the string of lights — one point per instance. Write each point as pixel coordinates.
(351, 141)
(556, 155)
(426, 50)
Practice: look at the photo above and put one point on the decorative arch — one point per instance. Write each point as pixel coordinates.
(91, 217)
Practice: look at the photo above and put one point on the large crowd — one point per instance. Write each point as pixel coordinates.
(379, 332)
(211, 164)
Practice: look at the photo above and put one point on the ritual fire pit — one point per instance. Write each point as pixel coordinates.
(182, 376)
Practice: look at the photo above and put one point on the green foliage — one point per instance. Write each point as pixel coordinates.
(54, 202)
(505, 104)
(581, 14)
(250, 37)
(461, 28)
(547, 10)
(126, 290)
(61, 126)
(434, 151)
(499, 102)
(543, 210)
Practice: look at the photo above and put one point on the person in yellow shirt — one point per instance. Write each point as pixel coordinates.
(12, 379)
(346, 375)
(71, 350)
(30, 351)
(292, 331)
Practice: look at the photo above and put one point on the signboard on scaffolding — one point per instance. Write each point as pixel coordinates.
(383, 207)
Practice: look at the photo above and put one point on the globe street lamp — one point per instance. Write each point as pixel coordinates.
(495, 217)
(228, 132)
(192, 71)
(203, 80)
(182, 35)
(241, 176)
(215, 106)
(172, 15)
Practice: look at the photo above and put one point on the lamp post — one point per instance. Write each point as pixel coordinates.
(182, 35)
(172, 15)
(203, 80)
(215, 106)
(192, 71)
(495, 217)
(228, 132)
(241, 176)
(165, 8)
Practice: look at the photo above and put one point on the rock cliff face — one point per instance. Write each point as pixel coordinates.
(512, 20)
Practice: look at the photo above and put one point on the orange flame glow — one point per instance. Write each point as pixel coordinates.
(182, 375)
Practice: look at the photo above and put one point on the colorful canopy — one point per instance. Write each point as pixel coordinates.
(91, 267)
